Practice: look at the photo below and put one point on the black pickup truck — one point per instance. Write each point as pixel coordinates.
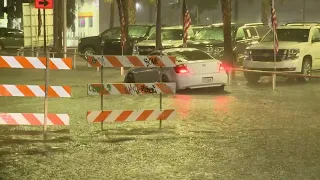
(210, 39)
(112, 40)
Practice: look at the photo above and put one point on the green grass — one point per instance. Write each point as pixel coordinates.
(238, 135)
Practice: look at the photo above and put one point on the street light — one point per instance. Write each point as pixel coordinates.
(138, 6)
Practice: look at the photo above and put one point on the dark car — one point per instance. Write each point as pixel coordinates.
(211, 39)
(197, 28)
(112, 40)
(171, 37)
(11, 38)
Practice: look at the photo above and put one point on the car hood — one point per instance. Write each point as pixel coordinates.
(173, 43)
(205, 43)
(282, 45)
(90, 38)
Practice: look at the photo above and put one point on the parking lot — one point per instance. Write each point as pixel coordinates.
(246, 132)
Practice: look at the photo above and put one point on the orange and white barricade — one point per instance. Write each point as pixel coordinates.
(101, 89)
(34, 119)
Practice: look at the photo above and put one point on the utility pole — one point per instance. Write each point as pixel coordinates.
(304, 11)
(65, 28)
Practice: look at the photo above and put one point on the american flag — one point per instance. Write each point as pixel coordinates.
(186, 23)
(274, 27)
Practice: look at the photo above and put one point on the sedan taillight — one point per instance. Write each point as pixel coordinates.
(181, 69)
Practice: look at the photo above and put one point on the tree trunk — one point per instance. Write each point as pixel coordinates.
(265, 11)
(57, 26)
(226, 12)
(236, 11)
(111, 22)
(132, 11)
(123, 7)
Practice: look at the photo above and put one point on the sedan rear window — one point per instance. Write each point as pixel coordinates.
(190, 55)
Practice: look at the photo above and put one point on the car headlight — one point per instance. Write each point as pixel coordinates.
(247, 54)
(292, 54)
(168, 46)
(135, 50)
(218, 51)
(209, 50)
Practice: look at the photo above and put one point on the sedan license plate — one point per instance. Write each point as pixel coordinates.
(207, 79)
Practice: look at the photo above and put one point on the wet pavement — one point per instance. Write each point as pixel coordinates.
(246, 132)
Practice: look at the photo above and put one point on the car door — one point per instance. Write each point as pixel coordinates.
(241, 40)
(148, 74)
(6, 39)
(315, 46)
(18, 38)
(2, 38)
(112, 41)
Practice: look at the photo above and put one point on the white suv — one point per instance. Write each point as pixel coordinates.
(299, 52)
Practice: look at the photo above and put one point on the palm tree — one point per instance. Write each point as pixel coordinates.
(124, 13)
(266, 10)
(132, 11)
(58, 22)
(226, 12)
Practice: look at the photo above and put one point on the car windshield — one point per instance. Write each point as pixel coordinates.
(138, 31)
(168, 34)
(293, 35)
(212, 33)
(190, 55)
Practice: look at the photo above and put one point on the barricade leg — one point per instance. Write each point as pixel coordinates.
(101, 96)
(122, 71)
(160, 74)
(75, 59)
(274, 78)
(230, 77)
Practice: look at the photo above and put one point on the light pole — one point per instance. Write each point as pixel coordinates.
(304, 11)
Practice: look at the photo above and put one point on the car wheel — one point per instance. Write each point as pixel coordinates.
(220, 88)
(88, 52)
(130, 78)
(305, 70)
(252, 78)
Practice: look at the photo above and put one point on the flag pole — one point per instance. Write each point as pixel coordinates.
(274, 76)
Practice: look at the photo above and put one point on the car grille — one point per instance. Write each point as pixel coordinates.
(146, 50)
(267, 55)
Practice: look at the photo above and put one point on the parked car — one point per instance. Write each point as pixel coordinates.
(298, 52)
(211, 39)
(197, 28)
(171, 37)
(112, 40)
(11, 38)
(195, 69)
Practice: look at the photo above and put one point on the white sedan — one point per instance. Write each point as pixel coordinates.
(195, 69)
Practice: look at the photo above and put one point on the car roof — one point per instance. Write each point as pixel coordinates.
(178, 49)
(295, 27)
(172, 27)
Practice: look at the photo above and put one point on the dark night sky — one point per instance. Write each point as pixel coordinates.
(291, 10)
